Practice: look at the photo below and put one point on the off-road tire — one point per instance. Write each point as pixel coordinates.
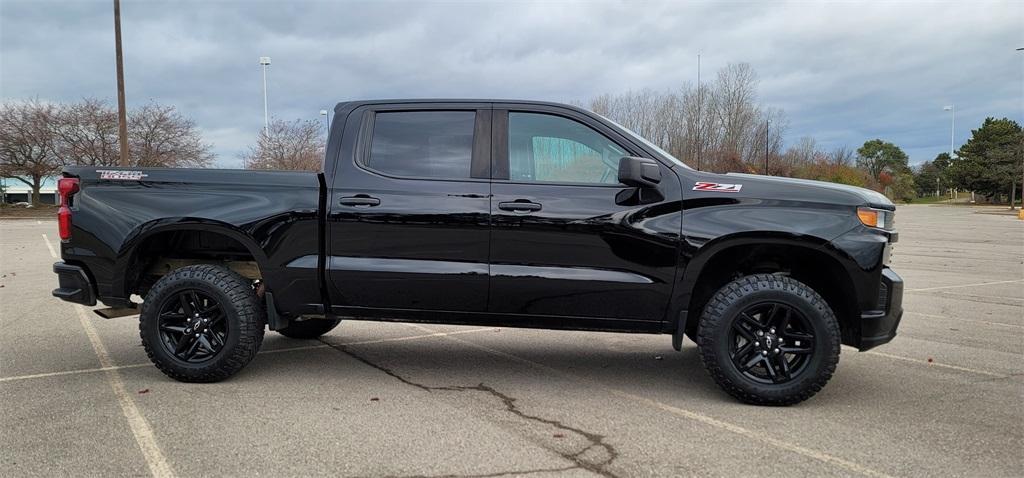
(724, 308)
(246, 322)
(309, 329)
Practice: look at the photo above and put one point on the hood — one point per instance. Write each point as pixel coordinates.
(805, 190)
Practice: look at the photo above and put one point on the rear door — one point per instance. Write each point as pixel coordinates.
(408, 226)
(568, 239)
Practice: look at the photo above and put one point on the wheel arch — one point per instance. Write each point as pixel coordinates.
(810, 259)
(137, 242)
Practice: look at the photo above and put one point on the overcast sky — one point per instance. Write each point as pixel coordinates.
(843, 72)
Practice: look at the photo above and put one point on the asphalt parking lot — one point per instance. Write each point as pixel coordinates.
(78, 396)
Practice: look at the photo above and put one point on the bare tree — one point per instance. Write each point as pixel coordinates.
(159, 136)
(88, 133)
(722, 123)
(28, 150)
(295, 145)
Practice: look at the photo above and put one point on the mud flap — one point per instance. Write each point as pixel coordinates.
(680, 332)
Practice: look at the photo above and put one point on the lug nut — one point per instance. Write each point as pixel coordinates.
(764, 352)
(760, 332)
(776, 350)
(757, 344)
(772, 330)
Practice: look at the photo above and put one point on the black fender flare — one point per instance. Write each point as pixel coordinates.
(129, 250)
(679, 314)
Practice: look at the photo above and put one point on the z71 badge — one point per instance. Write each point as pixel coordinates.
(121, 175)
(717, 187)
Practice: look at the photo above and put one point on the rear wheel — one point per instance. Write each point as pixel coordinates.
(201, 323)
(309, 329)
(769, 340)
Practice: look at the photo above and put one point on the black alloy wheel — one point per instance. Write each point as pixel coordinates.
(192, 326)
(771, 342)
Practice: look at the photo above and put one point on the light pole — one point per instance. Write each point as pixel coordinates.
(952, 131)
(265, 61)
(327, 119)
(1022, 174)
(952, 127)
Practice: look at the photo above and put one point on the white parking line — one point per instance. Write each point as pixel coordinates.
(69, 372)
(158, 465)
(979, 321)
(692, 415)
(143, 434)
(935, 364)
(286, 349)
(964, 285)
(53, 252)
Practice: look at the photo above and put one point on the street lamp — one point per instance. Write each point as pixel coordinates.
(327, 118)
(952, 127)
(265, 61)
(1022, 174)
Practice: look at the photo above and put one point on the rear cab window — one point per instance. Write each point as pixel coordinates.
(422, 144)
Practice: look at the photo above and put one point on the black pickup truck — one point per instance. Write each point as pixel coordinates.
(504, 213)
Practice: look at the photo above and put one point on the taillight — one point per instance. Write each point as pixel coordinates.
(66, 187)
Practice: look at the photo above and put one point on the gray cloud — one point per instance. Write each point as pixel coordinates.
(843, 72)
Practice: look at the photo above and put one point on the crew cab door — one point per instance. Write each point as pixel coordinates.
(408, 221)
(568, 240)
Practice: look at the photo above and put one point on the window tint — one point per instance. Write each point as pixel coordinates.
(424, 144)
(552, 148)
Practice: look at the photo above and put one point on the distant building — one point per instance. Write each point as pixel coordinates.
(15, 191)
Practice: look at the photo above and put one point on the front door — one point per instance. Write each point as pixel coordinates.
(569, 240)
(408, 226)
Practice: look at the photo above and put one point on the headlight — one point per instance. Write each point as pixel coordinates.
(879, 218)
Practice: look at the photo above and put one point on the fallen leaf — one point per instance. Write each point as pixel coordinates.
(145, 390)
(930, 360)
(558, 435)
(374, 399)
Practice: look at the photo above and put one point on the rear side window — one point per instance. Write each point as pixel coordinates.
(423, 144)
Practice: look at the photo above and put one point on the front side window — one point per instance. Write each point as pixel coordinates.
(549, 148)
(423, 144)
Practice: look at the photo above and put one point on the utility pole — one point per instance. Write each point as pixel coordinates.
(700, 119)
(122, 115)
(766, 124)
(265, 61)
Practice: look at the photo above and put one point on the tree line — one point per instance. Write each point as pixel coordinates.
(38, 138)
(717, 126)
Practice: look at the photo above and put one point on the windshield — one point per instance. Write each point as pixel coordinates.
(647, 143)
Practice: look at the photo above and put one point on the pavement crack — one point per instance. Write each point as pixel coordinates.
(594, 440)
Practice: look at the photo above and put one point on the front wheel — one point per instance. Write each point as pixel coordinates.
(201, 323)
(769, 340)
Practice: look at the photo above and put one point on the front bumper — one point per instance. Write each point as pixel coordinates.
(74, 283)
(878, 327)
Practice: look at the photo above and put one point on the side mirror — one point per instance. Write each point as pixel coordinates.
(639, 172)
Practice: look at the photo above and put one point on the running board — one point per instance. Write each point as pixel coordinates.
(115, 312)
